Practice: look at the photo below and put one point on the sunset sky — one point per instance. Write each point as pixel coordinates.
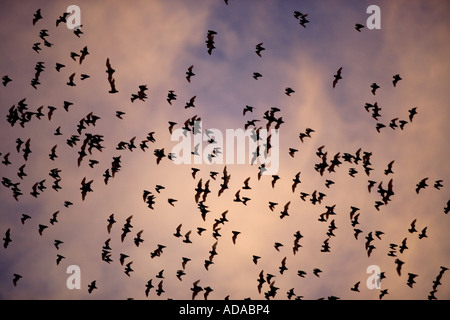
(153, 43)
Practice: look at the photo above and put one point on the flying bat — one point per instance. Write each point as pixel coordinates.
(337, 77)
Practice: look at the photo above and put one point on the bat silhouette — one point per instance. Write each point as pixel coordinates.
(412, 113)
(256, 75)
(171, 96)
(184, 262)
(196, 289)
(84, 52)
(126, 228)
(374, 87)
(296, 181)
(259, 48)
(359, 26)
(396, 78)
(285, 212)
(283, 266)
(138, 239)
(186, 237)
(421, 185)
(148, 287)
(337, 77)
(128, 268)
(399, 264)
(37, 16)
(261, 281)
(235, 234)
(16, 278)
(71, 83)
(7, 238)
(288, 91)
(92, 286)
(355, 287)
(190, 73)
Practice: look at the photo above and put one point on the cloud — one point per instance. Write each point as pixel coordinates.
(154, 44)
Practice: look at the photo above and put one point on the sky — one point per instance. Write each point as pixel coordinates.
(153, 43)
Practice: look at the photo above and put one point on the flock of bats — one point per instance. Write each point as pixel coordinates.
(22, 116)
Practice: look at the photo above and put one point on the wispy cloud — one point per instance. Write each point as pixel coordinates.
(153, 43)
